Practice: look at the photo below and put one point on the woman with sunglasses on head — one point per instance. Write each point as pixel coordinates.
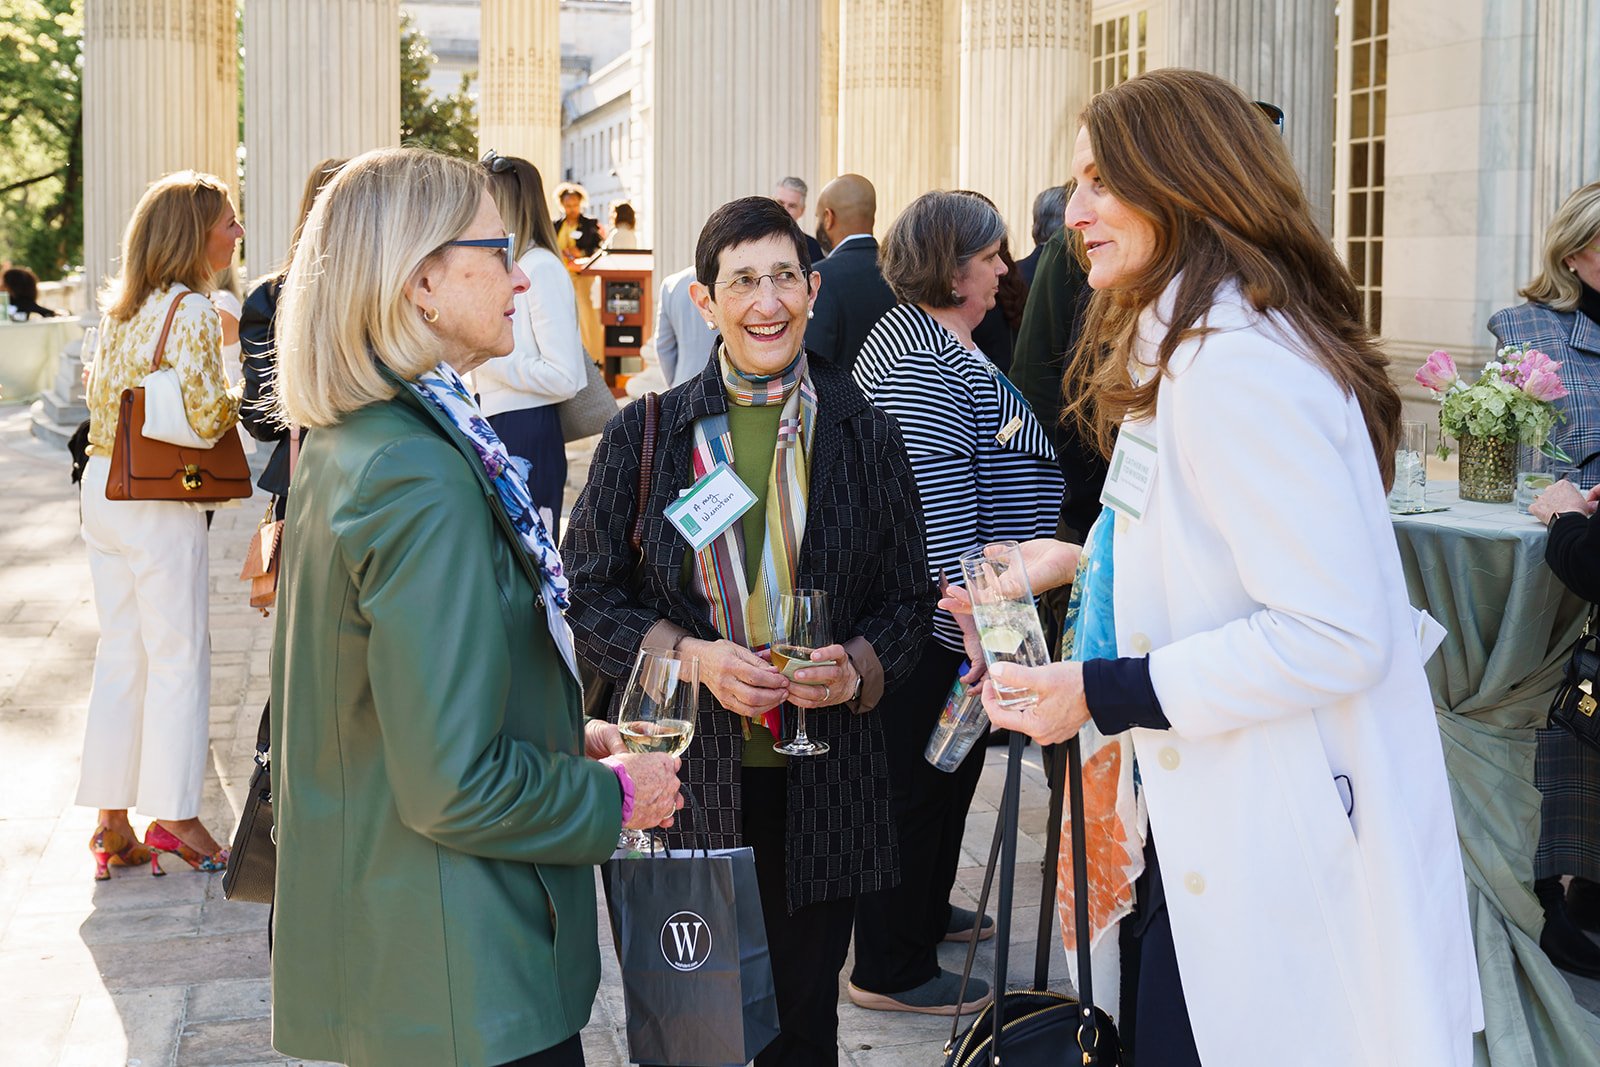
(437, 821)
(520, 394)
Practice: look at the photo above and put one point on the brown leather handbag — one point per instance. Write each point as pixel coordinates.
(145, 469)
(261, 558)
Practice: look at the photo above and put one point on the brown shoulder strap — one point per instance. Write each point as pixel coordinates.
(166, 328)
(647, 462)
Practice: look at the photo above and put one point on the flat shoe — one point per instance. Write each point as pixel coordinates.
(936, 996)
(961, 923)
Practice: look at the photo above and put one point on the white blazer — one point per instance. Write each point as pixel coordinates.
(546, 366)
(1264, 583)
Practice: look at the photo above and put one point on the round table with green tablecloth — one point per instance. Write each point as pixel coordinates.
(1479, 569)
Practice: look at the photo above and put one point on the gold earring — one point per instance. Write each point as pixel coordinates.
(430, 316)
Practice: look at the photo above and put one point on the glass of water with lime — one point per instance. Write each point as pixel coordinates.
(1003, 608)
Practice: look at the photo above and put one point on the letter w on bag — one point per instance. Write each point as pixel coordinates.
(685, 941)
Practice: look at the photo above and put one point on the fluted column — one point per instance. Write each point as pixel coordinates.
(828, 92)
(734, 88)
(160, 94)
(519, 102)
(895, 125)
(322, 78)
(1024, 80)
(1567, 88)
(1280, 51)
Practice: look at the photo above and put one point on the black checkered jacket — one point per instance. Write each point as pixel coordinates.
(863, 545)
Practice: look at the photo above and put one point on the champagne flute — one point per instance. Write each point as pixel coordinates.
(799, 627)
(657, 714)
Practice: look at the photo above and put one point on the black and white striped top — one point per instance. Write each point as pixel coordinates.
(986, 470)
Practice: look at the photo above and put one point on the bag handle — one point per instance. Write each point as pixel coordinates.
(647, 463)
(694, 807)
(166, 327)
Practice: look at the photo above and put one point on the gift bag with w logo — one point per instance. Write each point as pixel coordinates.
(696, 975)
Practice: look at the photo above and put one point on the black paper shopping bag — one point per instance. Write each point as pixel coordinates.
(696, 974)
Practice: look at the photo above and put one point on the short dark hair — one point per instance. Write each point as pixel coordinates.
(750, 218)
(22, 285)
(931, 240)
(623, 213)
(1049, 213)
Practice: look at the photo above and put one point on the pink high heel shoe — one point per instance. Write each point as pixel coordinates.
(113, 848)
(160, 839)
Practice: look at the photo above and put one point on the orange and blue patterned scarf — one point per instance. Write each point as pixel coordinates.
(740, 613)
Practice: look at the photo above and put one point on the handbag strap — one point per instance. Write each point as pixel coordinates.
(166, 328)
(647, 463)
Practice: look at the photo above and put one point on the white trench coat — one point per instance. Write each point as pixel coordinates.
(1264, 582)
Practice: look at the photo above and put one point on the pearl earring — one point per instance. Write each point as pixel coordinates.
(811, 313)
(710, 325)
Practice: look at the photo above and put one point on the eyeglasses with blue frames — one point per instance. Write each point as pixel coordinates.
(786, 280)
(508, 243)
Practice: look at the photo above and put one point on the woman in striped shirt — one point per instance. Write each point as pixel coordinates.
(986, 471)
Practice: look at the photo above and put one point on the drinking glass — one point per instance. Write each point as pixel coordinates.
(657, 714)
(1410, 492)
(1003, 607)
(799, 627)
(1535, 474)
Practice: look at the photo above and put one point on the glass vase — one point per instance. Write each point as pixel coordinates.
(1488, 469)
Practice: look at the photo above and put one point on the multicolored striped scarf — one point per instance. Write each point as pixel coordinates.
(740, 613)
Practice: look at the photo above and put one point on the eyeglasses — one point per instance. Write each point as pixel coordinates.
(784, 281)
(508, 243)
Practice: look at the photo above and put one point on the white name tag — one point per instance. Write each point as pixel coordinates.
(1132, 476)
(707, 508)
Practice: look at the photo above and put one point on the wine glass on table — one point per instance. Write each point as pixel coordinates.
(799, 627)
(657, 714)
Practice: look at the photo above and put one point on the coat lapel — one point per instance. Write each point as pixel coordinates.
(1585, 334)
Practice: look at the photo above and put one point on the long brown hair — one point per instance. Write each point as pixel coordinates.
(320, 175)
(165, 241)
(1195, 158)
(518, 192)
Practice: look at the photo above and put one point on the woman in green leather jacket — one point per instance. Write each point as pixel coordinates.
(440, 803)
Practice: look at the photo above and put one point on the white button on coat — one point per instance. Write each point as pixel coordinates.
(1168, 757)
(1194, 883)
(1139, 644)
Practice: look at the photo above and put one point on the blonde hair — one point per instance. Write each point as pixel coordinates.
(344, 314)
(165, 241)
(1191, 155)
(1575, 227)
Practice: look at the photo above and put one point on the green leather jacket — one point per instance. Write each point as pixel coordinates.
(437, 823)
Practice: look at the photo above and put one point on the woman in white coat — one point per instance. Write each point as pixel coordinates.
(1280, 881)
(521, 393)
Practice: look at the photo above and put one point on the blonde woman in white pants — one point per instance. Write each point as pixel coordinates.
(145, 745)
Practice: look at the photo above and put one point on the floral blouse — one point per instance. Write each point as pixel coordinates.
(194, 348)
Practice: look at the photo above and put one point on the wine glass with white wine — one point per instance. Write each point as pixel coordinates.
(657, 714)
(799, 627)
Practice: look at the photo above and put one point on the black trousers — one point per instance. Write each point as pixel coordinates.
(534, 434)
(1154, 1027)
(898, 930)
(808, 947)
(567, 1054)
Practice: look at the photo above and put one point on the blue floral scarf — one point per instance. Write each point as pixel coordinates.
(443, 390)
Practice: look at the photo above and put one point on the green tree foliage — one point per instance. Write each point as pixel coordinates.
(41, 134)
(448, 124)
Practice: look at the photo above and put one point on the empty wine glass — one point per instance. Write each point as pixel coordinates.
(657, 714)
(799, 627)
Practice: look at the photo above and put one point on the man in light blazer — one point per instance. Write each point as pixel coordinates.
(854, 295)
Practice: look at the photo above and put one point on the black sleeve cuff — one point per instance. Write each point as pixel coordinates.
(1121, 696)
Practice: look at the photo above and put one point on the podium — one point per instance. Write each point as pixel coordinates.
(627, 312)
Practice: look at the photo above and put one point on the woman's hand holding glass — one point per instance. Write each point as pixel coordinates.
(741, 680)
(1563, 496)
(1058, 711)
(832, 681)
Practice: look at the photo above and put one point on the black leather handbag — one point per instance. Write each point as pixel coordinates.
(1036, 1027)
(1575, 708)
(253, 857)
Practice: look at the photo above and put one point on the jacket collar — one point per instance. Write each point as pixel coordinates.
(408, 399)
(856, 242)
(1585, 334)
(705, 394)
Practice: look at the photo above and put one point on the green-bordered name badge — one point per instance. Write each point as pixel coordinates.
(707, 508)
(1132, 476)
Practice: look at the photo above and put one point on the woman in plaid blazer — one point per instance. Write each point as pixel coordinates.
(820, 826)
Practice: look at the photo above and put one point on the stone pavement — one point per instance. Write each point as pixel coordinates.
(152, 972)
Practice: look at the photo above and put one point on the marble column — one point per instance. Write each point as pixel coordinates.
(897, 122)
(1458, 239)
(828, 94)
(1024, 79)
(519, 98)
(1280, 51)
(734, 108)
(322, 78)
(1566, 140)
(160, 94)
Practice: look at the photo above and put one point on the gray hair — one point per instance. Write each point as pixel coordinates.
(796, 184)
(1049, 213)
(931, 242)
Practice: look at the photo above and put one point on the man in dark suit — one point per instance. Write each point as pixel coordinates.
(1049, 216)
(853, 296)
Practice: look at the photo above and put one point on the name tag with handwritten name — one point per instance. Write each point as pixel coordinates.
(705, 510)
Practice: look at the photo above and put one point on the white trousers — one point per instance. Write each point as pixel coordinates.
(150, 702)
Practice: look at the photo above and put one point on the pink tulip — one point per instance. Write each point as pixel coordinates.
(1533, 360)
(1544, 384)
(1439, 372)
